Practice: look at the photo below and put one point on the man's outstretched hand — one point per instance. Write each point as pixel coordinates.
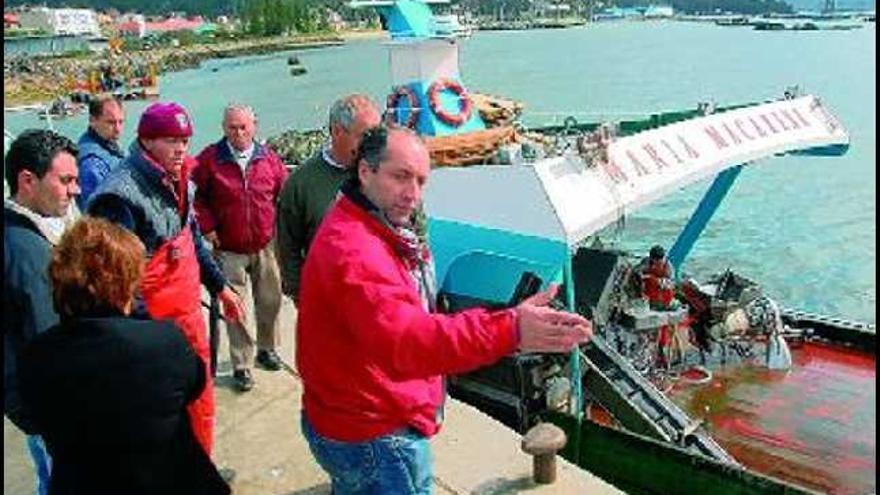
(544, 329)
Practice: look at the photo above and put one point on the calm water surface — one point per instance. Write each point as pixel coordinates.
(804, 227)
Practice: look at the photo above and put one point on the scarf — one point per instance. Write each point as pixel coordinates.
(410, 242)
(50, 227)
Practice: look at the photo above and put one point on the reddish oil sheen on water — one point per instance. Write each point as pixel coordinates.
(813, 426)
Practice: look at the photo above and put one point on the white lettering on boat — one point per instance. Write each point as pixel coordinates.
(713, 137)
(638, 169)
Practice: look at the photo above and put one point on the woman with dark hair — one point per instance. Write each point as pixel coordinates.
(108, 392)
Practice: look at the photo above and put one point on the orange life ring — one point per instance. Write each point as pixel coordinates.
(465, 105)
(393, 105)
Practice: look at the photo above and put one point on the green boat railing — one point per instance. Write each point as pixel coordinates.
(640, 465)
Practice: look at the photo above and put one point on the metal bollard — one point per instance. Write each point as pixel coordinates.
(542, 442)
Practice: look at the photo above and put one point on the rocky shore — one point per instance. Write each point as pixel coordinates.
(29, 80)
(295, 146)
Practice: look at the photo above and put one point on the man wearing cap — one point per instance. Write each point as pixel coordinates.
(237, 185)
(150, 195)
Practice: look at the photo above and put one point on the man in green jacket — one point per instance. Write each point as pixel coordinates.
(312, 188)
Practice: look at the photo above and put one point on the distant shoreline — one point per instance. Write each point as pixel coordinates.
(41, 80)
(360, 34)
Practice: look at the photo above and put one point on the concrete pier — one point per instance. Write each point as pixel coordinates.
(258, 436)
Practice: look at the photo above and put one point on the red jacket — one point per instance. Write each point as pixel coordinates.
(240, 209)
(370, 356)
(658, 285)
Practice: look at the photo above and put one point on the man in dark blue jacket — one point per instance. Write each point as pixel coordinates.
(99, 152)
(42, 176)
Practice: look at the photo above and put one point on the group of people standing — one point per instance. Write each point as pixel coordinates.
(107, 355)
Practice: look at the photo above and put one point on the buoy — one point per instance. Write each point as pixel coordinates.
(464, 102)
(297, 70)
(400, 93)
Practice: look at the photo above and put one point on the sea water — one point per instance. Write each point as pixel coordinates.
(804, 227)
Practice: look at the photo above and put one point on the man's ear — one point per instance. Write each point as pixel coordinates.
(362, 170)
(26, 180)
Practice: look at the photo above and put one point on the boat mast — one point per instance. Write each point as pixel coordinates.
(701, 216)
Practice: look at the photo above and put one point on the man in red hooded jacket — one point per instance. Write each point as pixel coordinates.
(150, 195)
(370, 347)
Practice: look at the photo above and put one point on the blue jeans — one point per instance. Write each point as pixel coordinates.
(42, 462)
(396, 464)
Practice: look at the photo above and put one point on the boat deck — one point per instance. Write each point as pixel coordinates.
(814, 425)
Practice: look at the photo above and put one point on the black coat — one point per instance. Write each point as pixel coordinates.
(109, 396)
(27, 303)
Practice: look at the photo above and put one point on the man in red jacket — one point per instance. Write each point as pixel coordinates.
(237, 185)
(370, 347)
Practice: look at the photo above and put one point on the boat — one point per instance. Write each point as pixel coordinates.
(768, 26)
(743, 395)
(733, 21)
(805, 26)
(697, 424)
(296, 67)
(126, 84)
(60, 109)
(450, 25)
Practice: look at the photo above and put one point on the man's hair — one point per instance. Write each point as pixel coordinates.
(96, 105)
(373, 147)
(374, 144)
(34, 150)
(344, 110)
(239, 107)
(657, 252)
(95, 267)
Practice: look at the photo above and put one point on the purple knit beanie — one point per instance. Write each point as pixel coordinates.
(164, 120)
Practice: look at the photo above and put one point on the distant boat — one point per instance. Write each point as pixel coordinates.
(121, 86)
(733, 21)
(769, 26)
(449, 25)
(296, 67)
(806, 26)
(60, 109)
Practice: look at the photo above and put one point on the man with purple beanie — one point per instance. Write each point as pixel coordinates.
(150, 195)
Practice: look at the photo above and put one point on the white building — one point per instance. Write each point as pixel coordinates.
(659, 11)
(61, 21)
(132, 25)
